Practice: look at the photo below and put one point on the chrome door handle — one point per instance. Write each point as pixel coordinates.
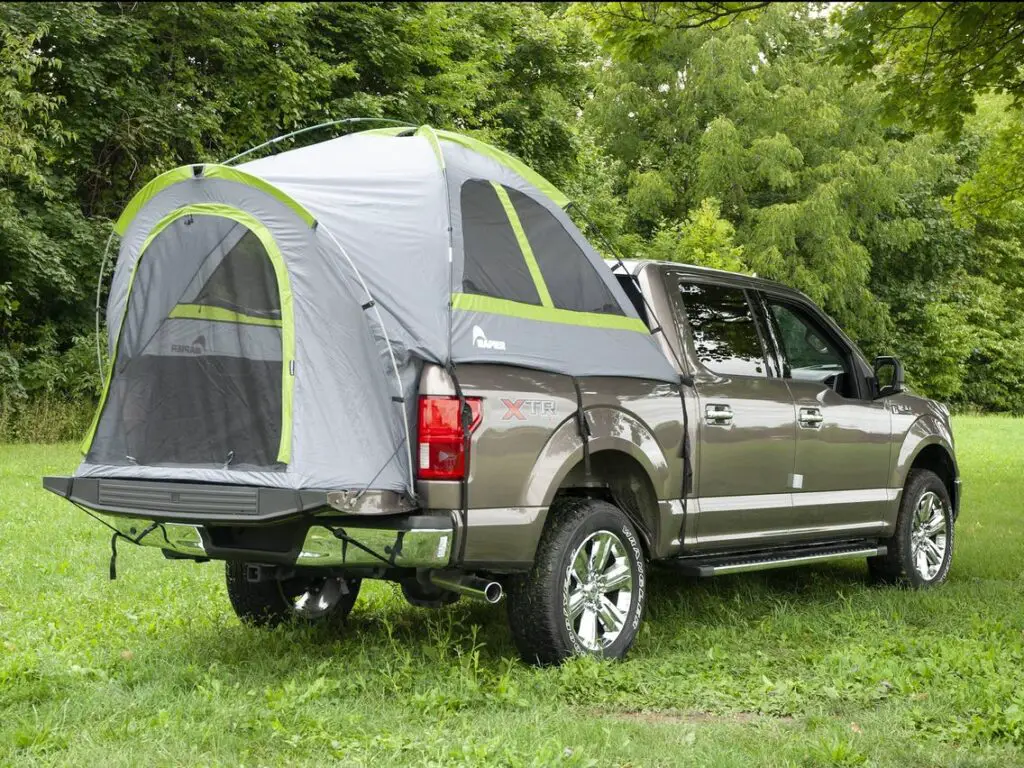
(718, 414)
(811, 417)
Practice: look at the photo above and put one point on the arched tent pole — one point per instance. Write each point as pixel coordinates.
(391, 352)
(328, 124)
(99, 291)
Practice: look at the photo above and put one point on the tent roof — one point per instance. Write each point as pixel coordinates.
(214, 170)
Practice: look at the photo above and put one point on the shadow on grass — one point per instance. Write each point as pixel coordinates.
(384, 630)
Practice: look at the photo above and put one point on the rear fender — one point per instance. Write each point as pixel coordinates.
(611, 429)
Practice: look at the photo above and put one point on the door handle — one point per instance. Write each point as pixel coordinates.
(811, 418)
(717, 414)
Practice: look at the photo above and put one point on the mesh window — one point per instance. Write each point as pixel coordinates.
(571, 279)
(244, 281)
(494, 262)
(197, 390)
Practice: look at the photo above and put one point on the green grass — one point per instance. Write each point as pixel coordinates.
(798, 667)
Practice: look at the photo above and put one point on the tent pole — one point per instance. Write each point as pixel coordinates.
(391, 353)
(307, 129)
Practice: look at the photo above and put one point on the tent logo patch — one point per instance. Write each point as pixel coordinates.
(481, 341)
(197, 347)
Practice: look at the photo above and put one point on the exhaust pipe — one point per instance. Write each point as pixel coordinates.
(470, 586)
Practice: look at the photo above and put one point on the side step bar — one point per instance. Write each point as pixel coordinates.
(718, 565)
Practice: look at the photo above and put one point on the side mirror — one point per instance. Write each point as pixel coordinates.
(888, 376)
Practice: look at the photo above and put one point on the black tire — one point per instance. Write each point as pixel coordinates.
(902, 564)
(539, 612)
(270, 602)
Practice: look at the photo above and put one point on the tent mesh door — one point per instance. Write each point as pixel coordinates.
(197, 378)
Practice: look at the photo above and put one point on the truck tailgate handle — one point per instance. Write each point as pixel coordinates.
(717, 414)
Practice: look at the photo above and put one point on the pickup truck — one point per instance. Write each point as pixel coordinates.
(781, 445)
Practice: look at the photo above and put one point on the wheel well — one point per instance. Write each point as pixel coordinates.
(619, 479)
(937, 459)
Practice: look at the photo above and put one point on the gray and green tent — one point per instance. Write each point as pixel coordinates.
(268, 322)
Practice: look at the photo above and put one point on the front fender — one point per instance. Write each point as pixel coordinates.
(919, 434)
(611, 429)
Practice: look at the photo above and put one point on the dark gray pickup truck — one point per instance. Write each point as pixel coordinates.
(393, 355)
(800, 451)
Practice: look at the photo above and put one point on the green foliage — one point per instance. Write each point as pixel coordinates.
(796, 667)
(935, 58)
(704, 238)
(938, 64)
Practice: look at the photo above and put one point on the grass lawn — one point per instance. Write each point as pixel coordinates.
(797, 667)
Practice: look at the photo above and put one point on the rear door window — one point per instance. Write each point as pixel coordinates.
(725, 334)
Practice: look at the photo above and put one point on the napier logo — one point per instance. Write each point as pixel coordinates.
(481, 341)
(197, 347)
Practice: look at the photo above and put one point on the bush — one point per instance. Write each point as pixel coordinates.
(45, 419)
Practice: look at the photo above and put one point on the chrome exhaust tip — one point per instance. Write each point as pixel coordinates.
(471, 586)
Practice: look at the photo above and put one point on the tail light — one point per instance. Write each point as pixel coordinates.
(442, 441)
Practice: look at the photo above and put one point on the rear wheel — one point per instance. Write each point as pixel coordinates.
(586, 592)
(921, 551)
(303, 597)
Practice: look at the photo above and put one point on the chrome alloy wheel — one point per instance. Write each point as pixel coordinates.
(311, 598)
(598, 591)
(928, 539)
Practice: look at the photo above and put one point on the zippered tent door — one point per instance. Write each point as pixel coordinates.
(202, 368)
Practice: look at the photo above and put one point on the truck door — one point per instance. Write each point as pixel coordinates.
(844, 436)
(747, 419)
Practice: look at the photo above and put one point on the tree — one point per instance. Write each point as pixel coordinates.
(934, 59)
(936, 63)
(704, 238)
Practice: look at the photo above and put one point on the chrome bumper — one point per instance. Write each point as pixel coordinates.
(420, 547)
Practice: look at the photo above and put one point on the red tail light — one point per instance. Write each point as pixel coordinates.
(442, 440)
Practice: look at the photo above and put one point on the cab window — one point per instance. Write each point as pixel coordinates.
(723, 329)
(808, 354)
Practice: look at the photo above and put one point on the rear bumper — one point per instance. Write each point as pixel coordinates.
(266, 525)
(412, 541)
(307, 528)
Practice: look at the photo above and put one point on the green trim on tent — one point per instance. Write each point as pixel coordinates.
(471, 302)
(392, 131)
(284, 290)
(524, 245)
(212, 171)
(509, 161)
(427, 132)
(219, 315)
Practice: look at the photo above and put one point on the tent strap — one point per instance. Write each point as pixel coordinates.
(466, 416)
(582, 425)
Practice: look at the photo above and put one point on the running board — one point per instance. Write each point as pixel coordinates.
(718, 565)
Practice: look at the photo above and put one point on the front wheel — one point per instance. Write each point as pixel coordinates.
(586, 592)
(921, 550)
(302, 597)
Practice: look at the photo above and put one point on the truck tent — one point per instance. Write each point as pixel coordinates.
(267, 322)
